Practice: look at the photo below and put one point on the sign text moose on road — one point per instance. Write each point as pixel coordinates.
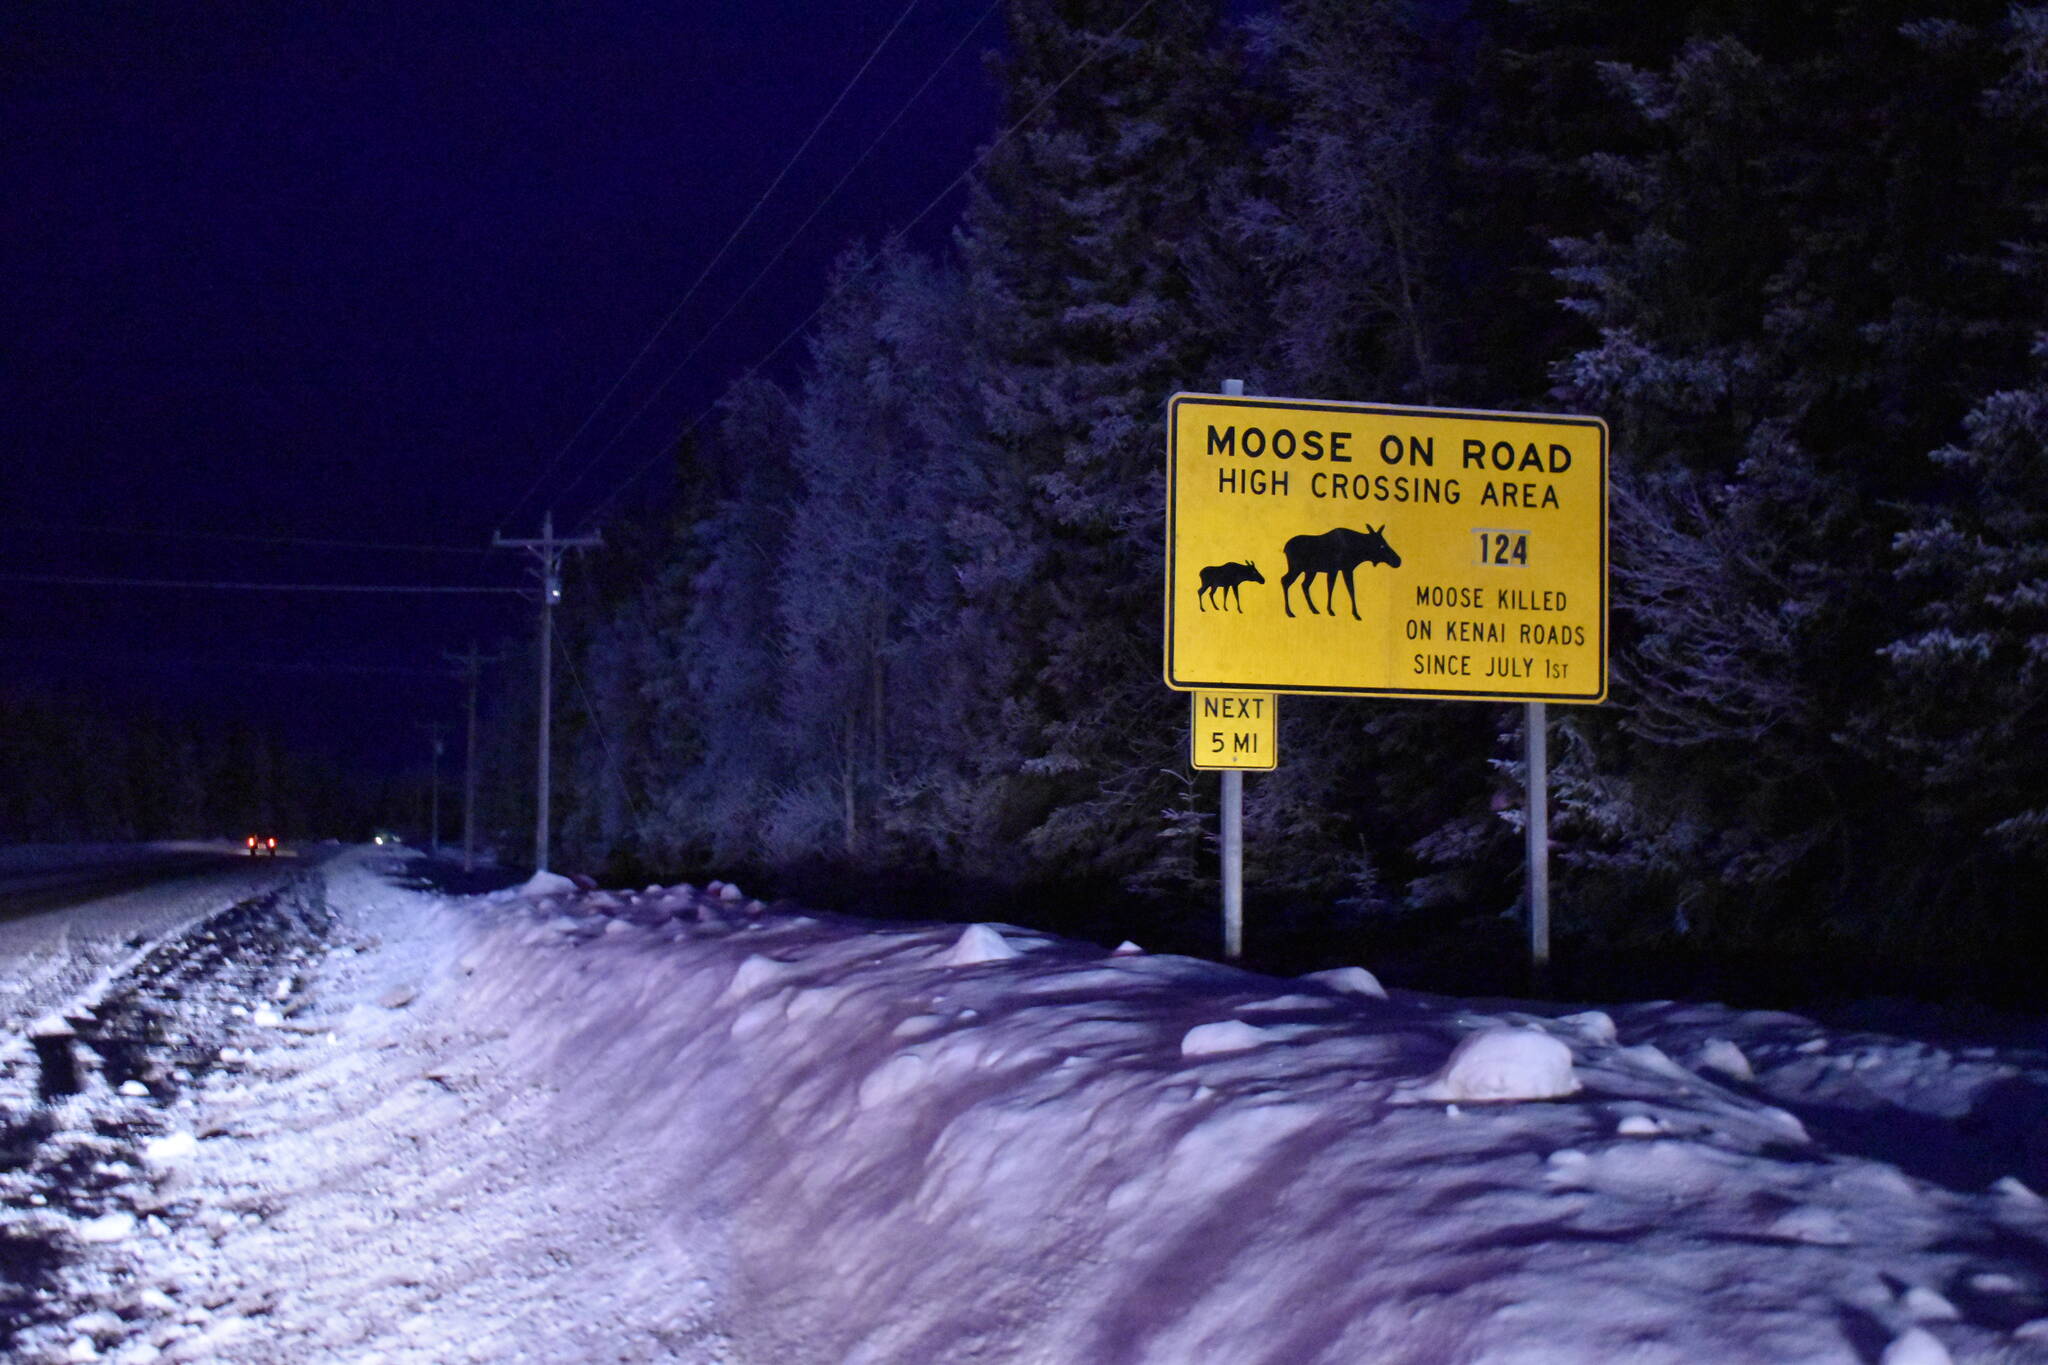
(1357, 549)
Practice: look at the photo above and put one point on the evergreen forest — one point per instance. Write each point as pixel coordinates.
(890, 638)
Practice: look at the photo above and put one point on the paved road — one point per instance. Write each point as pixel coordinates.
(29, 891)
(68, 918)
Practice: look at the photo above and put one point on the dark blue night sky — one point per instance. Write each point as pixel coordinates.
(358, 273)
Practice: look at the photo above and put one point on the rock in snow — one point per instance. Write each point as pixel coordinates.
(1718, 1054)
(108, 1227)
(1916, 1346)
(546, 884)
(893, 1079)
(1596, 1026)
(162, 1151)
(1925, 1305)
(981, 943)
(1350, 981)
(1229, 1035)
(1505, 1064)
(1820, 1227)
(754, 973)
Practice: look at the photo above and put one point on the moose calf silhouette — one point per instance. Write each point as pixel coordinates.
(1333, 552)
(1219, 579)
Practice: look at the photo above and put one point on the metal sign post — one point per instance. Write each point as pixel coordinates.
(1232, 732)
(1233, 864)
(1536, 824)
(1233, 828)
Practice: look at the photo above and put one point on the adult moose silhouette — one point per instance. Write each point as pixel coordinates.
(1334, 552)
(1221, 579)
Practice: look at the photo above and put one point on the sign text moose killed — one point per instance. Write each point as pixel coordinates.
(1349, 548)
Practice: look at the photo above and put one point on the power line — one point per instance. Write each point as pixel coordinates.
(66, 580)
(773, 261)
(705, 273)
(894, 238)
(240, 539)
(603, 737)
(128, 659)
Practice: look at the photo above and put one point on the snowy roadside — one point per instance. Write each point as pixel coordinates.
(360, 1179)
(675, 1125)
(150, 1027)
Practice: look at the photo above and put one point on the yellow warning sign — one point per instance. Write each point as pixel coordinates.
(1350, 548)
(1235, 730)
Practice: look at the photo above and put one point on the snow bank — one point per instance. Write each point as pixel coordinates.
(921, 1143)
(593, 1125)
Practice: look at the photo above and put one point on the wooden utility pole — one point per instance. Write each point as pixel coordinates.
(547, 552)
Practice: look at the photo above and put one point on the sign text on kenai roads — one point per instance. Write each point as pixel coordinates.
(1357, 549)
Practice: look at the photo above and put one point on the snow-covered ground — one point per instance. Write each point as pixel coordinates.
(677, 1125)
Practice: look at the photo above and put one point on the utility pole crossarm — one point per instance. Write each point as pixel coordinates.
(547, 544)
(548, 547)
(504, 542)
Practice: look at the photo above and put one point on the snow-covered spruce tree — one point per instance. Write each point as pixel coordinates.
(1975, 672)
(1795, 300)
(1077, 244)
(719, 646)
(866, 590)
(611, 676)
(1344, 226)
(1332, 278)
(1972, 676)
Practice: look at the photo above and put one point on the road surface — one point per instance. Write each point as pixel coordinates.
(69, 916)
